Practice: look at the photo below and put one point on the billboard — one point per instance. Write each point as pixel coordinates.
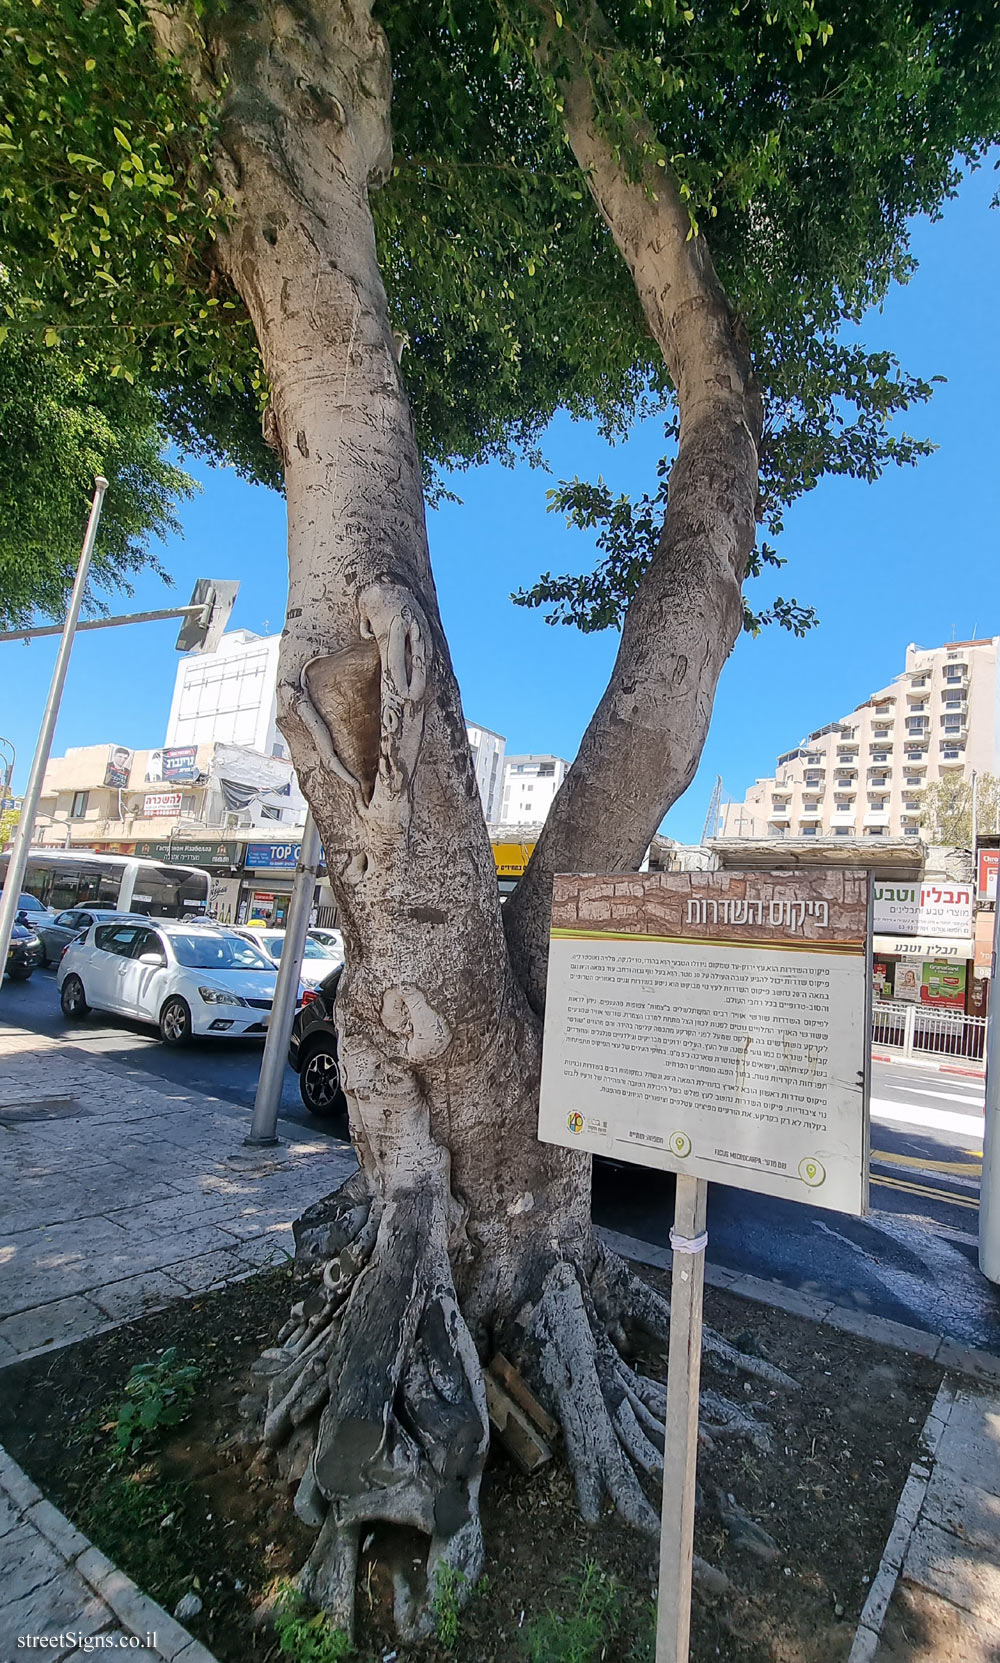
(512, 858)
(281, 856)
(175, 762)
(221, 855)
(118, 768)
(157, 804)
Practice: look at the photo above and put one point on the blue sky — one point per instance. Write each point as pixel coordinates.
(913, 558)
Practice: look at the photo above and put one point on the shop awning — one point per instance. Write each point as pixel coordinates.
(954, 947)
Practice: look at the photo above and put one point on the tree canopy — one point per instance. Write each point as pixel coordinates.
(801, 145)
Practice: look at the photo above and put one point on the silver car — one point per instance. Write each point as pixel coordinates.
(59, 929)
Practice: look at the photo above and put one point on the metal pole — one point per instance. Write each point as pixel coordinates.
(17, 866)
(989, 1200)
(107, 623)
(272, 1065)
(680, 1455)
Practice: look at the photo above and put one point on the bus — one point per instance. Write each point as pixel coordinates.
(65, 878)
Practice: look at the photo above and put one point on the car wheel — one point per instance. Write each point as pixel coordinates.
(175, 1022)
(319, 1082)
(73, 999)
(20, 972)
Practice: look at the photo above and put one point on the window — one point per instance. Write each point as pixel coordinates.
(117, 938)
(808, 831)
(218, 952)
(918, 681)
(880, 756)
(875, 831)
(842, 831)
(147, 941)
(79, 807)
(546, 770)
(70, 920)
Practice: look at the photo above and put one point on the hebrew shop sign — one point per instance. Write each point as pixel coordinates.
(933, 908)
(714, 1024)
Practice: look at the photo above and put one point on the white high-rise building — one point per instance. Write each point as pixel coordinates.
(228, 697)
(867, 775)
(487, 758)
(529, 785)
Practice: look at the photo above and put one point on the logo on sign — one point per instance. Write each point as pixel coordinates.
(575, 1123)
(812, 1172)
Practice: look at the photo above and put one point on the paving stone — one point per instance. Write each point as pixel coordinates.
(16, 1484)
(53, 1324)
(57, 1530)
(273, 1249)
(966, 1360)
(28, 1562)
(921, 1627)
(143, 1616)
(970, 1443)
(136, 1294)
(211, 1270)
(882, 1331)
(972, 1513)
(940, 1561)
(10, 1515)
(63, 1603)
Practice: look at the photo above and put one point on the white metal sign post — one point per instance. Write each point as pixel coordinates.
(715, 1025)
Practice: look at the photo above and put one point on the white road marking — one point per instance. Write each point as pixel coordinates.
(947, 1096)
(919, 1114)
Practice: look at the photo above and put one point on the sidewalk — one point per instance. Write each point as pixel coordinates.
(120, 1195)
(936, 1598)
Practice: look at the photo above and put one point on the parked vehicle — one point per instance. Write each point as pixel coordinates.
(24, 954)
(56, 931)
(30, 910)
(312, 1052)
(317, 961)
(62, 878)
(331, 941)
(187, 979)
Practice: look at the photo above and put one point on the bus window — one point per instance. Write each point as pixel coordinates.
(81, 883)
(167, 891)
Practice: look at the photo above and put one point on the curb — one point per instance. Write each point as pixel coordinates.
(934, 1067)
(135, 1611)
(870, 1623)
(897, 1336)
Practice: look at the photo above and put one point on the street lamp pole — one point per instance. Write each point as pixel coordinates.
(10, 899)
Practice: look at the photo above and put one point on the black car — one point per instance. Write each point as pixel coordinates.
(24, 954)
(312, 1052)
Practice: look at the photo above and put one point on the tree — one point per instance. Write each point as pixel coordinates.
(60, 425)
(584, 211)
(946, 815)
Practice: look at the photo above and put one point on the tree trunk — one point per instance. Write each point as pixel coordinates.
(644, 742)
(461, 1234)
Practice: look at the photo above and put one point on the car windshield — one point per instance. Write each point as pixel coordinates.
(217, 952)
(312, 949)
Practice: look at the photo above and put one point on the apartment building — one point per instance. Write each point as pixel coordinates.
(529, 785)
(867, 774)
(487, 759)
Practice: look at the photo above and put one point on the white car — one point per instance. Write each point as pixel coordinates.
(331, 941)
(186, 978)
(318, 961)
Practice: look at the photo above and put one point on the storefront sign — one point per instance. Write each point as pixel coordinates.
(924, 947)
(512, 858)
(714, 1025)
(161, 804)
(282, 855)
(935, 908)
(989, 865)
(225, 855)
(177, 762)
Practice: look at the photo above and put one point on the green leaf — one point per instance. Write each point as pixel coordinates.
(51, 337)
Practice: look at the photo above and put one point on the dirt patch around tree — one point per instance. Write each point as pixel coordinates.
(796, 1530)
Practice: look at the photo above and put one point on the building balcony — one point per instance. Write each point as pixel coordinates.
(780, 814)
(810, 814)
(843, 817)
(876, 817)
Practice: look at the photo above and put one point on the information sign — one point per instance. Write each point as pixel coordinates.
(716, 1025)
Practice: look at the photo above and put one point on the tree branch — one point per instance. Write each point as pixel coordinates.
(643, 743)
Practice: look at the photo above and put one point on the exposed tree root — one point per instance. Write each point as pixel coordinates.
(372, 1402)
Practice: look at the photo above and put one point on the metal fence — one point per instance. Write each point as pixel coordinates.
(918, 1030)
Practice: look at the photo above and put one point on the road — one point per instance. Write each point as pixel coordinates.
(913, 1258)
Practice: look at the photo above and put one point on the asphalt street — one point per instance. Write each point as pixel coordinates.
(912, 1258)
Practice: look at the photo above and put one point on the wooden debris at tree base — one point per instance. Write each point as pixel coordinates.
(517, 1419)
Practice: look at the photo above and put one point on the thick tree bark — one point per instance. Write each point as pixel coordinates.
(460, 1234)
(643, 744)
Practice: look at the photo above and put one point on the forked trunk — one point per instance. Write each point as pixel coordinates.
(461, 1234)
